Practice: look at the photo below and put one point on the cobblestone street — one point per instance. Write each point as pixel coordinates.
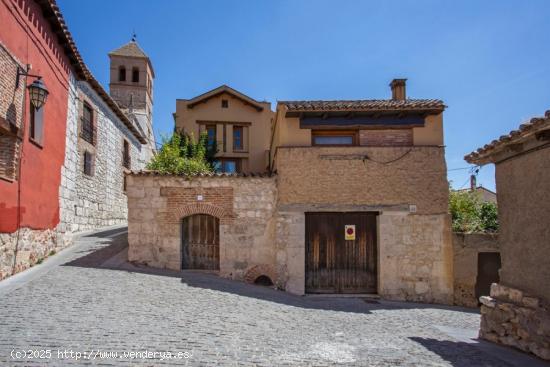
(87, 299)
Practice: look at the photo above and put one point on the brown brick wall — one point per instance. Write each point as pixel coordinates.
(380, 138)
(181, 202)
(11, 114)
(341, 175)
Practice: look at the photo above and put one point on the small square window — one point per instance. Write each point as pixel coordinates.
(225, 103)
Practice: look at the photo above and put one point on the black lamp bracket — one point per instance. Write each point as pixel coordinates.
(23, 72)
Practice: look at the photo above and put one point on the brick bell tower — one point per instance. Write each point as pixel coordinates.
(131, 85)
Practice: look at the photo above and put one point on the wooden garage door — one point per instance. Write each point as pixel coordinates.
(200, 242)
(337, 265)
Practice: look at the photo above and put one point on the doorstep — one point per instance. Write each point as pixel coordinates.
(342, 295)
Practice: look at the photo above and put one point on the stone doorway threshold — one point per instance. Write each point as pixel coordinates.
(342, 295)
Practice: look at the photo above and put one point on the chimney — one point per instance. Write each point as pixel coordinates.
(398, 89)
(473, 183)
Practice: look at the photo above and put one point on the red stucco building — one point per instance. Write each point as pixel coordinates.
(46, 166)
(29, 193)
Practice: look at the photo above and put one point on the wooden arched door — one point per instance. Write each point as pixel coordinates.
(200, 242)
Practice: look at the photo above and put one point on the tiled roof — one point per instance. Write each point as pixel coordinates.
(131, 49)
(534, 125)
(214, 174)
(53, 15)
(366, 105)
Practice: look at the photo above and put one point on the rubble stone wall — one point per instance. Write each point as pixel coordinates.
(514, 318)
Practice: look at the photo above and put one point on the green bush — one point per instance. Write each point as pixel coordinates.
(181, 155)
(469, 214)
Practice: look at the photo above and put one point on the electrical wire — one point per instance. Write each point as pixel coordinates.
(366, 157)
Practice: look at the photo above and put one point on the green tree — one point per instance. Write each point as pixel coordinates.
(469, 214)
(181, 155)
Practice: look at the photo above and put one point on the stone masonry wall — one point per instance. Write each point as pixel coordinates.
(245, 207)
(415, 257)
(89, 202)
(33, 246)
(511, 317)
(466, 247)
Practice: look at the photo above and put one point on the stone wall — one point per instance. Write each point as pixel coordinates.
(32, 247)
(512, 317)
(89, 202)
(259, 236)
(466, 249)
(415, 257)
(407, 186)
(246, 208)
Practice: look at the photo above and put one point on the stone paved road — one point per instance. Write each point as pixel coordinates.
(88, 299)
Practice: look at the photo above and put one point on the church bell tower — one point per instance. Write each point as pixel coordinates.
(131, 85)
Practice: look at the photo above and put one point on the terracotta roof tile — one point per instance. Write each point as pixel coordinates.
(131, 49)
(213, 174)
(534, 125)
(365, 105)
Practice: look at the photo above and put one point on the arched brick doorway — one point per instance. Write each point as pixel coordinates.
(200, 242)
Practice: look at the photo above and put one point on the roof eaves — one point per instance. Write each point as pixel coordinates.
(525, 130)
(205, 175)
(223, 89)
(53, 14)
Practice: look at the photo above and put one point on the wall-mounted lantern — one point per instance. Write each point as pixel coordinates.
(37, 90)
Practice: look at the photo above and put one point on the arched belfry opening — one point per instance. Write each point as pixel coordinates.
(200, 242)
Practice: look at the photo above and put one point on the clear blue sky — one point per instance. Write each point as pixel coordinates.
(488, 60)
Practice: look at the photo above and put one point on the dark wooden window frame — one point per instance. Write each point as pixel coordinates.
(225, 103)
(36, 126)
(238, 163)
(240, 147)
(209, 128)
(87, 126)
(88, 163)
(336, 133)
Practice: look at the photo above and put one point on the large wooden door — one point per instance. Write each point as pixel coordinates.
(200, 242)
(337, 265)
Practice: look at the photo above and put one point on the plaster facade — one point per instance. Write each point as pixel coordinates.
(517, 313)
(193, 115)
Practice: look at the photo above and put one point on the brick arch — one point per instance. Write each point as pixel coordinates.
(258, 270)
(203, 208)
